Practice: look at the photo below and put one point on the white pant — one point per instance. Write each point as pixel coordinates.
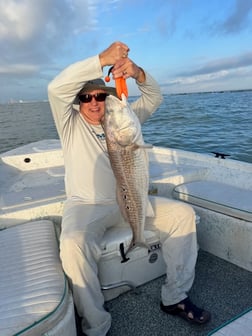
(83, 227)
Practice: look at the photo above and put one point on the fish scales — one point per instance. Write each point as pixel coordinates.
(129, 162)
(128, 167)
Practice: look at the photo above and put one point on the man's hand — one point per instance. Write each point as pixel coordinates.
(113, 53)
(126, 68)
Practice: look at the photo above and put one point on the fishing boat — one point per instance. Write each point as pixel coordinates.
(35, 296)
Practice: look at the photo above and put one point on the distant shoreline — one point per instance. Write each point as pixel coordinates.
(10, 102)
(205, 92)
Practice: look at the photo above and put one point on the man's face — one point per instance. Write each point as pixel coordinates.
(94, 110)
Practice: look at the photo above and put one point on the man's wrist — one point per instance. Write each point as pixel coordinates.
(102, 60)
(140, 78)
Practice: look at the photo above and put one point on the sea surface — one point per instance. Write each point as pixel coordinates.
(198, 122)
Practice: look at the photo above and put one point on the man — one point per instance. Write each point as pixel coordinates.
(91, 206)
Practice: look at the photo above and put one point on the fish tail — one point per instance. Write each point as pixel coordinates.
(133, 245)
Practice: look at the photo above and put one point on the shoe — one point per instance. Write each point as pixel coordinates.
(188, 311)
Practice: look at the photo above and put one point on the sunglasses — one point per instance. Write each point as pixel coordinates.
(87, 98)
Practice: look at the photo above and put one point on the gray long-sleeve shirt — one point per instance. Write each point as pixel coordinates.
(89, 176)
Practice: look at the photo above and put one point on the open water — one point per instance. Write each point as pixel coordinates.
(198, 122)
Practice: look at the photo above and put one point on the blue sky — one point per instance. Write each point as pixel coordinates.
(187, 45)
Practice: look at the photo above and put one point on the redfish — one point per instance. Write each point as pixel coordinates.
(129, 162)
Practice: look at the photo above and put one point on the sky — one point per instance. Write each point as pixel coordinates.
(186, 45)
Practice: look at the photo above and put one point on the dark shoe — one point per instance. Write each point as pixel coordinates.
(188, 311)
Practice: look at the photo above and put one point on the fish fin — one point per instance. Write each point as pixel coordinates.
(145, 145)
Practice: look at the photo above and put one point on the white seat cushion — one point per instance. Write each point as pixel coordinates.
(220, 197)
(239, 326)
(33, 288)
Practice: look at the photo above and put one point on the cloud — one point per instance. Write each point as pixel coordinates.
(221, 64)
(33, 35)
(19, 69)
(237, 20)
(33, 32)
(169, 14)
(202, 78)
(224, 71)
(235, 79)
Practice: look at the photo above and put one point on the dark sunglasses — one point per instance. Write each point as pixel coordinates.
(86, 98)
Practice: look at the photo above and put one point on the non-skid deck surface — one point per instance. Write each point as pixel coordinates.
(222, 288)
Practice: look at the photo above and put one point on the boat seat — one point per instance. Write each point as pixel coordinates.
(226, 199)
(240, 325)
(33, 289)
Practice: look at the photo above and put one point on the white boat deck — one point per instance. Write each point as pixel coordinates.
(32, 188)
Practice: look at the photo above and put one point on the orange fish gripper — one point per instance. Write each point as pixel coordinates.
(120, 83)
